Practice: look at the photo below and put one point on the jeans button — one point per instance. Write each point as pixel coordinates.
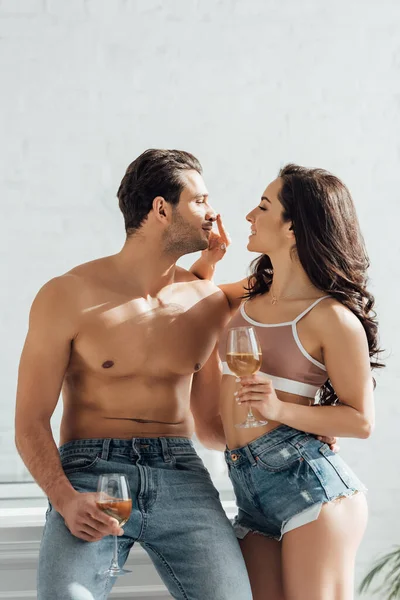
(234, 457)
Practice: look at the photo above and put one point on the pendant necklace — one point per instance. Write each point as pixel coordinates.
(275, 299)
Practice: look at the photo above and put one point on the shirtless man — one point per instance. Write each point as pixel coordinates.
(122, 337)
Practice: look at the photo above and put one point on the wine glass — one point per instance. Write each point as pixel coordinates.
(243, 355)
(114, 498)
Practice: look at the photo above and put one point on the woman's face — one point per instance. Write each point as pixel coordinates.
(269, 233)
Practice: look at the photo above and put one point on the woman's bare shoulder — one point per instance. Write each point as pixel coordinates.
(332, 317)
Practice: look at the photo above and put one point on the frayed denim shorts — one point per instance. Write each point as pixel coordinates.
(282, 479)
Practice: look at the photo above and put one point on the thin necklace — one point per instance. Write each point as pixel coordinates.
(275, 300)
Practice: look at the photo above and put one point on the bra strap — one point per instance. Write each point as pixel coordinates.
(305, 312)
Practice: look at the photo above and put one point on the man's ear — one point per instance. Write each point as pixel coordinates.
(161, 208)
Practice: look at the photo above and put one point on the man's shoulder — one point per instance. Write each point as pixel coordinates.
(55, 295)
(184, 276)
(205, 290)
(89, 269)
(68, 286)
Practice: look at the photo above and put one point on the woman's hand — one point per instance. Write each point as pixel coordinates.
(218, 242)
(331, 441)
(258, 392)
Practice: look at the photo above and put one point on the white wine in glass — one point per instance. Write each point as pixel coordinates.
(243, 355)
(114, 498)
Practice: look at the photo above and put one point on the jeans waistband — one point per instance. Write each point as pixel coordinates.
(162, 446)
(266, 441)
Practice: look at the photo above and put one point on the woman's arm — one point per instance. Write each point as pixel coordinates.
(204, 267)
(346, 356)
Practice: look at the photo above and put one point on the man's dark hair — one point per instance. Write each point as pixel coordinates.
(154, 173)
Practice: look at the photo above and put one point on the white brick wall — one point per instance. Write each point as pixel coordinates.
(88, 84)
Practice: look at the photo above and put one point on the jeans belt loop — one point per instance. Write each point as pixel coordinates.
(166, 452)
(106, 449)
(250, 456)
(135, 448)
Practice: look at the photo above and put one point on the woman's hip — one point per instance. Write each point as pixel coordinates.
(286, 473)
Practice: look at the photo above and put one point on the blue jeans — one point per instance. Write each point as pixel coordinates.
(176, 516)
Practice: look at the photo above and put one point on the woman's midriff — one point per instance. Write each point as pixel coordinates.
(232, 413)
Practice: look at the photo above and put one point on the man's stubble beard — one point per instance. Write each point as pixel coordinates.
(182, 238)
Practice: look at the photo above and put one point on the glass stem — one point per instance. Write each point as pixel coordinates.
(114, 563)
(250, 416)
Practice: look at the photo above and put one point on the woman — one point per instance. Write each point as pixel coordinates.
(302, 511)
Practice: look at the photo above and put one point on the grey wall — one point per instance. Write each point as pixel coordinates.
(246, 86)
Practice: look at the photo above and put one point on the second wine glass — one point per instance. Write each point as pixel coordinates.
(243, 355)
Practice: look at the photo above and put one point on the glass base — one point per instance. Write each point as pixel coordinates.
(115, 572)
(248, 423)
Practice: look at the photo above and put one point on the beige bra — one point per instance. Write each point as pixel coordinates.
(284, 359)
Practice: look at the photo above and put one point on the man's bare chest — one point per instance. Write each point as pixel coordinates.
(161, 338)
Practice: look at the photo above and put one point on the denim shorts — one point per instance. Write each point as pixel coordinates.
(282, 479)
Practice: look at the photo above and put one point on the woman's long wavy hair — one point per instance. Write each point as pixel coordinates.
(329, 246)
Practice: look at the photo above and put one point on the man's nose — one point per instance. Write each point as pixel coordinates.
(211, 215)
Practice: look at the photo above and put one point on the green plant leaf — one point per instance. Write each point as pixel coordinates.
(391, 584)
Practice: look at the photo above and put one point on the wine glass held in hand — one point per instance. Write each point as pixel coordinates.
(114, 499)
(243, 355)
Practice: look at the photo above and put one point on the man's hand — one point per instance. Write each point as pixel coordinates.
(86, 521)
(331, 441)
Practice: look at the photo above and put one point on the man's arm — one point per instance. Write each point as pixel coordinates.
(43, 364)
(205, 403)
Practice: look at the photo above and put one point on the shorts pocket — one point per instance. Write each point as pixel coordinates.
(279, 458)
(343, 471)
(78, 462)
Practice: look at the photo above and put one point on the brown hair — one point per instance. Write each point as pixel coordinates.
(329, 246)
(154, 173)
